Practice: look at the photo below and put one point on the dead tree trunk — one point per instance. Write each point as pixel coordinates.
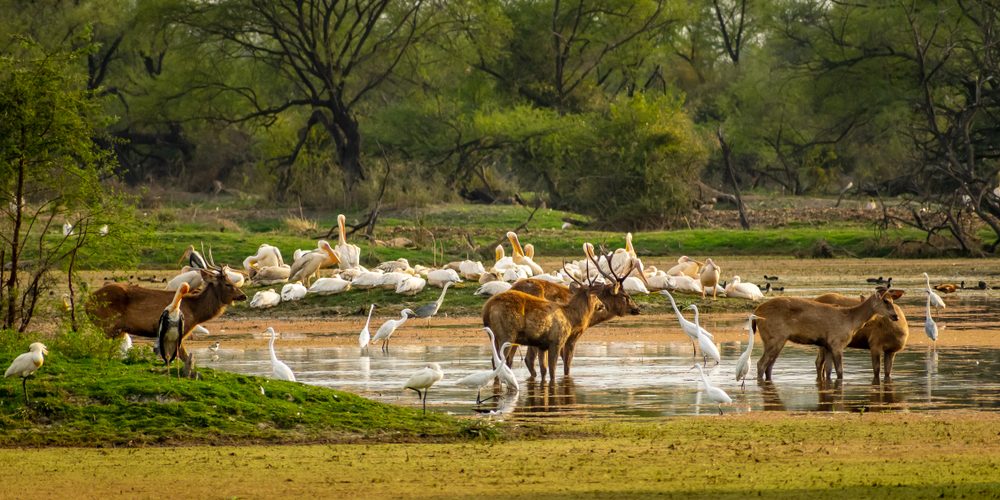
(727, 158)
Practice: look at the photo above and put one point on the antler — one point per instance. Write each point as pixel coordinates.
(589, 250)
(578, 282)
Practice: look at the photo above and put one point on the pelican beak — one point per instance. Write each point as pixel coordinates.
(515, 244)
(186, 254)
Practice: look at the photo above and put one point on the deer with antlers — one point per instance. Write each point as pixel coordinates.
(528, 316)
(119, 308)
(617, 302)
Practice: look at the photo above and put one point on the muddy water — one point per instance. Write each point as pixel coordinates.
(640, 366)
(647, 379)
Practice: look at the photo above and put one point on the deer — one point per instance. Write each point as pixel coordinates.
(520, 318)
(805, 321)
(882, 337)
(617, 302)
(119, 308)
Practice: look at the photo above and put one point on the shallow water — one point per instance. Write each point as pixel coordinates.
(647, 379)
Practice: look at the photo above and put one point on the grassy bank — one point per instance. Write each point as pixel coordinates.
(88, 401)
(785, 456)
(441, 233)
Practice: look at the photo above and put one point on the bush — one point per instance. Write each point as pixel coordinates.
(88, 341)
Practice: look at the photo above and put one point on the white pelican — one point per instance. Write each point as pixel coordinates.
(279, 370)
(492, 288)
(709, 277)
(439, 277)
(266, 256)
(684, 283)
(330, 286)
(411, 286)
(705, 342)
(934, 298)
(400, 265)
(686, 266)
(738, 289)
(306, 266)
(634, 285)
(367, 280)
(365, 336)
(714, 393)
(25, 365)
(502, 262)
(293, 291)
(423, 380)
(390, 281)
(349, 255)
(190, 276)
(389, 327)
(265, 299)
(520, 257)
(270, 275)
(471, 270)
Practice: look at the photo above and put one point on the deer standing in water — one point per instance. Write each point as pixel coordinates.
(806, 321)
(880, 335)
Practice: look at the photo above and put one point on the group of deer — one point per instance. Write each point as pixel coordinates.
(549, 318)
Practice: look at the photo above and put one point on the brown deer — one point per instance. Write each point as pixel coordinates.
(806, 321)
(524, 319)
(881, 336)
(616, 300)
(121, 308)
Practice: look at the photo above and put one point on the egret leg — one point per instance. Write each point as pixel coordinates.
(425, 401)
(24, 386)
(743, 386)
(720, 409)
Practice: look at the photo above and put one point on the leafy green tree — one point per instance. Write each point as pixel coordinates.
(55, 203)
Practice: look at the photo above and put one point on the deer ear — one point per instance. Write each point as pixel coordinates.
(896, 294)
(574, 286)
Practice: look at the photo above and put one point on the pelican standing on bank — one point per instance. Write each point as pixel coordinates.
(349, 255)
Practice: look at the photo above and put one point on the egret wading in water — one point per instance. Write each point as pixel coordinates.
(365, 336)
(934, 298)
(708, 347)
(930, 327)
(480, 379)
(25, 365)
(422, 381)
(389, 327)
(715, 394)
(279, 370)
(690, 329)
(743, 365)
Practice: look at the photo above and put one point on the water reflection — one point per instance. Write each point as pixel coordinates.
(647, 379)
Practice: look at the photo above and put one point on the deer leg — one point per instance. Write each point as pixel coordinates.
(889, 357)
(838, 363)
(876, 362)
(529, 359)
(766, 362)
(568, 350)
(553, 356)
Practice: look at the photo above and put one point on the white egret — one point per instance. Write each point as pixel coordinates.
(126, 345)
(690, 329)
(423, 379)
(707, 345)
(389, 327)
(365, 335)
(930, 327)
(743, 365)
(714, 393)
(934, 298)
(279, 370)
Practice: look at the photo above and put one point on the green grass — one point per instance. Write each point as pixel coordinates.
(441, 233)
(88, 401)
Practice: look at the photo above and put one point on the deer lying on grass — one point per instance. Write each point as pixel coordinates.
(524, 319)
(806, 321)
(616, 300)
(880, 335)
(119, 308)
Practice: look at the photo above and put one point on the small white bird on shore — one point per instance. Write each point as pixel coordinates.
(423, 379)
(25, 365)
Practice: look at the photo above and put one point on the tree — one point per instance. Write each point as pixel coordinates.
(327, 55)
(55, 204)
